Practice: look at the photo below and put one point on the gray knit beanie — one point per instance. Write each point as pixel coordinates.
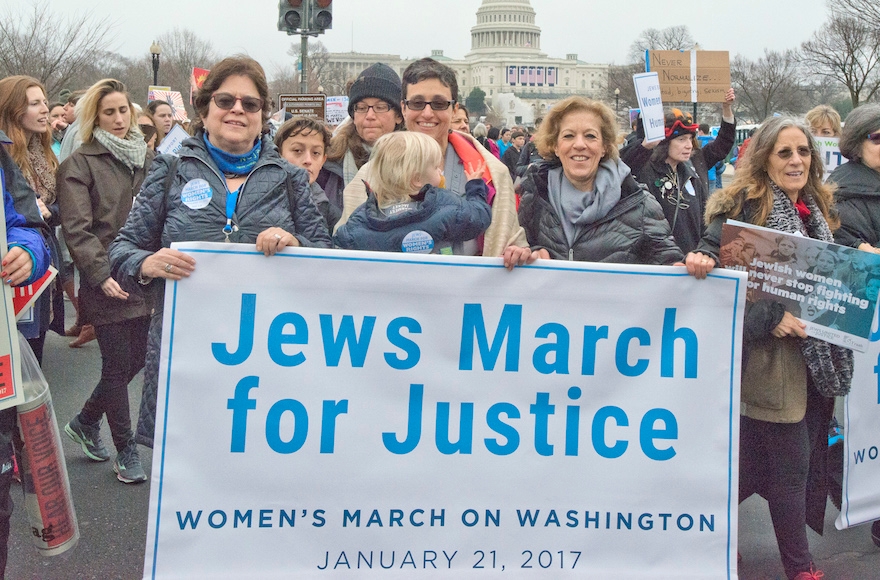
(379, 81)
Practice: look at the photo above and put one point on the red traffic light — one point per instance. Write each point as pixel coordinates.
(295, 3)
(323, 3)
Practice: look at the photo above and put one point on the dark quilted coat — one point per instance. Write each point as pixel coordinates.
(633, 232)
(159, 218)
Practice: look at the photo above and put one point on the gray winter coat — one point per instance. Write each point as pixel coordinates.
(275, 194)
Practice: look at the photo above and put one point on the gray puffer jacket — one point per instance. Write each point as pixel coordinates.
(275, 194)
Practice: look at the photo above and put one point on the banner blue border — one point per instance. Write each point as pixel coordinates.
(719, 274)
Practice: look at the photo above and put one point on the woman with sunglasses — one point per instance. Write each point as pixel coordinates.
(858, 182)
(788, 380)
(430, 95)
(96, 186)
(858, 191)
(227, 183)
(676, 170)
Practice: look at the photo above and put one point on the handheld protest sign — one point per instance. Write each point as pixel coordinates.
(694, 76)
(651, 104)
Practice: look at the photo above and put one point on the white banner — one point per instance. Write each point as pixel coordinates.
(861, 471)
(355, 414)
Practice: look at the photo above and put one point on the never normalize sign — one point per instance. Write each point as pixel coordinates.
(694, 76)
(330, 414)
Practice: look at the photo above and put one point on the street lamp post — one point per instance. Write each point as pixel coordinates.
(617, 104)
(155, 51)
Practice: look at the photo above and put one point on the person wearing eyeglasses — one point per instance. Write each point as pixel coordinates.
(676, 170)
(228, 183)
(96, 186)
(374, 109)
(789, 380)
(858, 181)
(429, 101)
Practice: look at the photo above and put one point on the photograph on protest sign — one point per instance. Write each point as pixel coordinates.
(831, 288)
(174, 99)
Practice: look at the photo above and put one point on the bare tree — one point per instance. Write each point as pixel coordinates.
(847, 50)
(767, 85)
(867, 10)
(620, 77)
(671, 38)
(320, 71)
(182, 50)
(40, 43)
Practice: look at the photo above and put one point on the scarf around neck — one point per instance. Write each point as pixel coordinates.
(230, 163)
(41, 177)
(830, 366)
(131, 151)
(578, 209)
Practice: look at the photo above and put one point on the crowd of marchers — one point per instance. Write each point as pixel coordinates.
(408, 171)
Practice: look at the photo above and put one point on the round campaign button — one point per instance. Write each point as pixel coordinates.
(417, 242)
(196, 194)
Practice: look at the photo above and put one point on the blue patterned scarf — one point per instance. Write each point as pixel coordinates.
(231, 164)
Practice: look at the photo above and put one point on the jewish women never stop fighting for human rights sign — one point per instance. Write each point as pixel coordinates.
(361, 415)
(831, 288)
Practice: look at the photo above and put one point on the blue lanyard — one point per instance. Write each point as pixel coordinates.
(231, 201)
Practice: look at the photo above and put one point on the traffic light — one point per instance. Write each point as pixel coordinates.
(291, 16)
(321, 15)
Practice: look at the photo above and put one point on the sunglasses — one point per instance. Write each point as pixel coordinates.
(226, 101)
(148, 131)
(874, 138)
(436, 105)
(787, 153)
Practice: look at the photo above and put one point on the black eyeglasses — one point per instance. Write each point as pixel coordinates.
(787, 153)
(436, 105)
(226, 101)
(362, 108)
(874, 138)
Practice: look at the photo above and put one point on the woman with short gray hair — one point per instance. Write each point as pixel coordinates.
(858, 182)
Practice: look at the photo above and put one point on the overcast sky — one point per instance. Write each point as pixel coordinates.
(599, 31)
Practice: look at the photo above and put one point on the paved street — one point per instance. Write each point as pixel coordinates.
(112, 516)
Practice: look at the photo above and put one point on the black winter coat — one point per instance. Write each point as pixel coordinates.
(858, 202)
(686, 222)
(633, 232)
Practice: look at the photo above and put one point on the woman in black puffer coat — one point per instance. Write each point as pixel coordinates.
(581, 203)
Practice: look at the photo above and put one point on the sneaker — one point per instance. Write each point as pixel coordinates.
(89, 438)
(813, 574)
(128, 465)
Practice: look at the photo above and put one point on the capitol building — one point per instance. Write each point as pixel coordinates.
(505, 61)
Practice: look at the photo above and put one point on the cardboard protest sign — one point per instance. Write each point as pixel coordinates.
(347, 415)
(695, 76)
(831, 288)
